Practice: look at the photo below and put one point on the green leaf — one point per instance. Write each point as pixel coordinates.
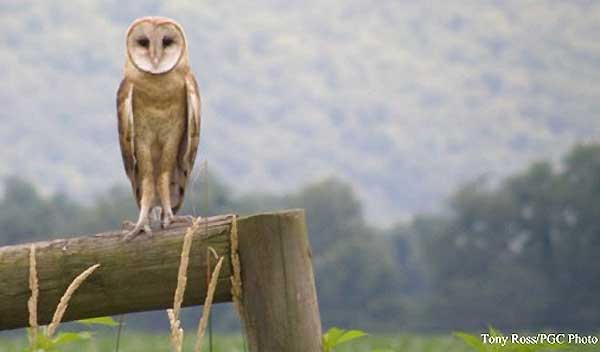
(333, 335)
(107, 321)
(472, 340)
(494, 332)
(351, 335)
(336, 336)
(69, 337)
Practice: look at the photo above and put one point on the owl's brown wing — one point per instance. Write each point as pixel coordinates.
(126, 133)
(189, 144)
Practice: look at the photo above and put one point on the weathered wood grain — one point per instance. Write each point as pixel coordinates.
(280, 299)
(134, 276)
(281, 312)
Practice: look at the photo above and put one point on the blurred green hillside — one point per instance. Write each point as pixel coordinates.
(387, 95)
(519, 255)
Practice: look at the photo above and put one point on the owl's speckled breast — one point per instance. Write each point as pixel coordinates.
(159, 104)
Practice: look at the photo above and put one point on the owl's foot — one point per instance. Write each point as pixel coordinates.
(177, 219)
(155, 216)
(137, 228)
(127, 225)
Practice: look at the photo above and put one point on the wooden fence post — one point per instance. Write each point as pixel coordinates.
(281, 313)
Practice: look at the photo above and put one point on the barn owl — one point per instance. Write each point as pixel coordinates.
(158, 108)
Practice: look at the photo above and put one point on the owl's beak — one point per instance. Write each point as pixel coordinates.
(154, 57)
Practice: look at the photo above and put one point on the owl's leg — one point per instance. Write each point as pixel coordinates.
(148, 195)
(165, 197)
(164, 192)
(166, 166)
(143, 223)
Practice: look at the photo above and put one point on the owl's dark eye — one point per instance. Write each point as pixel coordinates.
(167, 41)
(143, 42)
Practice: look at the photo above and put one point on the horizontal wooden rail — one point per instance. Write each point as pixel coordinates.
(134, 276)
(280, 310)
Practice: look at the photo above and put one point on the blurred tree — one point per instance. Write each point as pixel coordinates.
(208, 196)
(355, 266)
(511, 256)
(577, 236)
(108, 211)
(534, 196)
(333, 213)
(26, 216)
(514, 255)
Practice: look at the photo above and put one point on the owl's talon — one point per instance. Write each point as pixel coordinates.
(148, 230)
(177, 219)
(138, 228)
(186, 219)
(166, 222)
(183, 219)
(127, 225)
(132, 234)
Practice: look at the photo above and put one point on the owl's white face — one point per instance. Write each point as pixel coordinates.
(155, 46)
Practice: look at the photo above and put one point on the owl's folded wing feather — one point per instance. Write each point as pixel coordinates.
(126, 133)
(189, 143)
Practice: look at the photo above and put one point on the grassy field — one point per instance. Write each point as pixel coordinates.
(135, 342)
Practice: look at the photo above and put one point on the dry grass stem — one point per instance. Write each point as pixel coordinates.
(32, 302)
(207, 305)
(213, 252)
(176, 332)
(183, 266)
(236, 277)
(64, 300)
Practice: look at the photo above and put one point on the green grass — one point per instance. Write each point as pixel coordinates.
(405, 342)
(137, 341)
(104, 341)
(130, 342)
